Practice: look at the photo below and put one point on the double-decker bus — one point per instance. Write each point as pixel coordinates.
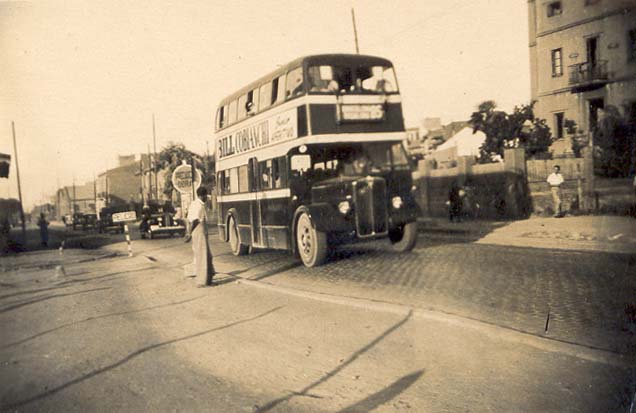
(311, 155)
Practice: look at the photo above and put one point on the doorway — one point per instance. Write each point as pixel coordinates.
(592, 52)
(594, 105)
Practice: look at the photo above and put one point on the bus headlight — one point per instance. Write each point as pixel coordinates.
(344, 207)
(396, 201)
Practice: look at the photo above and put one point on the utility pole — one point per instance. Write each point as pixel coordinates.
(154, 159)
(206, 164)
(141, 178)
(149, 175)
(73, 208)
(106, 180)
(95, 191)
(192, 177)
(17, 170)
(58, 211)
(355, 31)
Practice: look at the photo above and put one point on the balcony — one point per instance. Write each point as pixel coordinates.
(586, 76)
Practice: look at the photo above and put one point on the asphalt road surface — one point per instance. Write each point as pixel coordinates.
(452, 326)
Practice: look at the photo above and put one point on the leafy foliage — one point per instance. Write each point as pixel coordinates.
(579, 138)
(172, 156)
(614, 146)
(503, 130)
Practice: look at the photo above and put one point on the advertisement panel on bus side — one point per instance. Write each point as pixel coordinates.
(274, 129)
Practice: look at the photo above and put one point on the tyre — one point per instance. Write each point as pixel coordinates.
(235, 240)
(404, 237)
(311, 243)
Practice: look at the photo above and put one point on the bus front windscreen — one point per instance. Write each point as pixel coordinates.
(371, 79)
(355, 160)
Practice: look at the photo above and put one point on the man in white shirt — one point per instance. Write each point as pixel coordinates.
(555, 179)
(198, 233)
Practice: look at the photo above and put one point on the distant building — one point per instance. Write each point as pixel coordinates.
(47, 208)
(436, 137)
(429, 124)
(413, 143)
(82, 196)
(132, 181)
(582, 59)
(462, 143)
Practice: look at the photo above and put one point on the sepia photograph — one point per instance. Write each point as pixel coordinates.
(300, 206)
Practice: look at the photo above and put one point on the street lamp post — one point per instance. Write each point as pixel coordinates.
(17, 170)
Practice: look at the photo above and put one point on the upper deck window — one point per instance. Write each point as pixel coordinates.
(222, 117)
(266, 95)
(242, 107)
(377, 78)
(278, 89)
(251, 106)
(232, 112)
(294, 82)
(344, 79)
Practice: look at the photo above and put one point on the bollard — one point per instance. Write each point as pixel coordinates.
(128, 240)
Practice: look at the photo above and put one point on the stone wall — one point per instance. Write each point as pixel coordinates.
(514, 188)
(577, 190)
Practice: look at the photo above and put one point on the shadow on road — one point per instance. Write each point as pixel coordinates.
(130, 357)
(305, 391)
(384, 395)
(48, 297)
(68, 283)
(75, 323)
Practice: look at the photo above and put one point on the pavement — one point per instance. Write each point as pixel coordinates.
(612, 234)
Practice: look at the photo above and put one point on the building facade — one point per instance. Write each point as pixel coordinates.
(75, 199)
(132, 181)
(582, 60)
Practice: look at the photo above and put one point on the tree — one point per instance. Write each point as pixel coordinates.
(579, 138)
(172, 156)
(502, 130)
(614, 147)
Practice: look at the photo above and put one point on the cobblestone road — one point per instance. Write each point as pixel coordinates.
(586, 294)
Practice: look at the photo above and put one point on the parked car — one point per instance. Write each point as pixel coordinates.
(89, 221)
(68, 220)
(105, 222)
(77, 219)
(153, 225)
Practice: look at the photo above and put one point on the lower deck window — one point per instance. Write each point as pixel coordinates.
(234, 181)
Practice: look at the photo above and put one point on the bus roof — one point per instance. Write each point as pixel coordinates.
(320, 59)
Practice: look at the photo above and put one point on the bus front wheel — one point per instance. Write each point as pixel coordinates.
(312, 244)
(235, 240)
(404, 237)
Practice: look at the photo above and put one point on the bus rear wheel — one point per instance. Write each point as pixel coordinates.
(403, 238)
(312, 244)
(235, 240)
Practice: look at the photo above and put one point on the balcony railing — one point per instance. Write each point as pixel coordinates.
(587, 73)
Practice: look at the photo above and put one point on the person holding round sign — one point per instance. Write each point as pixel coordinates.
(198, 234)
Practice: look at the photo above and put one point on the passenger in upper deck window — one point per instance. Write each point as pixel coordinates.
(250, 108)
(383, 85)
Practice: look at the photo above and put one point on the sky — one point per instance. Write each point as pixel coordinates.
(82, 80)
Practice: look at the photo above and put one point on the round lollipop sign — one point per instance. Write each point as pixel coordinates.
(182, 178)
